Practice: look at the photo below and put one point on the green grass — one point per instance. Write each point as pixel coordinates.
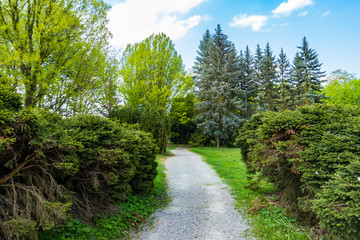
(134, 213)
(270, 222)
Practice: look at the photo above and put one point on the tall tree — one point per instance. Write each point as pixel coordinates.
(40, 40)
(153, 75)
(268, 89)
(307, 75)
(201, 65)
(247, 84)
(285, 86)
(257, 78)
(219, 88)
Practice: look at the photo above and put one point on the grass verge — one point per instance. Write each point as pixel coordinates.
(267, 221)
(134, 213)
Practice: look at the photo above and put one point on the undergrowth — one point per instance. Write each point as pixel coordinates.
(267, 221)
(134, 212)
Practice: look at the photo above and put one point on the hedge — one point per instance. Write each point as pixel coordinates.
(51, 167)
(312, 155)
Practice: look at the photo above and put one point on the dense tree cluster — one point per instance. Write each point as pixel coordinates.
(231, 86)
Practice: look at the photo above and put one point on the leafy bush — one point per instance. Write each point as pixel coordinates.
(151, 120)
(30, 196)
(110, 162)
(9, 99)
(301, 152)
(338, 204)
(51, 166)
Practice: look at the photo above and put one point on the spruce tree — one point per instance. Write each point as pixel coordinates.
(307, 74)
(249, 91)
(285, 86)
(256, 78)
(268, 80)
(201, 64)
(218, 87)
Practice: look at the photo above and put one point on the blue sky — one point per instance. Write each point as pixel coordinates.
(331, 26)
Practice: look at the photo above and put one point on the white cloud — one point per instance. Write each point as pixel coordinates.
(284, 24)
(134, 20)
(303, 14)
(326, 13)
(255, 21)
(286, 8)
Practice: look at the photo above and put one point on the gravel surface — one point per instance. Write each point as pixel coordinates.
(201, 206)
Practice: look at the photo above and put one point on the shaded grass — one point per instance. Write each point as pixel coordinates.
(267, 221)
(135, 212)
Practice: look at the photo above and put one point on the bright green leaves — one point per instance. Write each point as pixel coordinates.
(44, 45)
(153, 75)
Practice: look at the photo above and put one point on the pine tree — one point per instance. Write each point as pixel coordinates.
(307, 74)
(256, 78)
(285, 87)
(268, 80)
(248, 86)
(218, 87)
(201, 64)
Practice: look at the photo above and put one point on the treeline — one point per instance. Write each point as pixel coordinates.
(231, 86)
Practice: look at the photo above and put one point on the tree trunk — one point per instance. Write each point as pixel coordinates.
(217, 141)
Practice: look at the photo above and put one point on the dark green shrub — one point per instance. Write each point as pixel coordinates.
(338, 204)
(151, 120)
(49, 165)
(301, 151)
(30, 197)
(111, 162)
(9, 99)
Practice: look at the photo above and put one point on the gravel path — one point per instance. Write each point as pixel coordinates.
(201, 206)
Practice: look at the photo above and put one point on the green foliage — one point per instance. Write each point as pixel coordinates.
(182, 114)
(285, 85)
(9, 99)
(153, 75)
(307, 75)
(343, 92)
(51, 165)
(267, 90)
(338, 204)
(51, 47)
(152, 120)
(110, 162)
(303, 152)
(133, 213)
(218, 81)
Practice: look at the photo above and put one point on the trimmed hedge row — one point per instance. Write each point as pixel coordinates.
(50, 167)
(312, 155)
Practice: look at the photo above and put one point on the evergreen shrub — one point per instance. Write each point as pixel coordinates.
(309, 154)
(51, 167)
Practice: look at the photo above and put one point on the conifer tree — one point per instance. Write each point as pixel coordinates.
(307, 74)
(268, 80)
(201, 64)
(256, 76)
(218, 87)
(248, 86)
(285, 87)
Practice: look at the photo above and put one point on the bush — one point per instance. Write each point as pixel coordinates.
(50, 167)
(110, 162)
(151, 120)
(338, 204)
(301, 152)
